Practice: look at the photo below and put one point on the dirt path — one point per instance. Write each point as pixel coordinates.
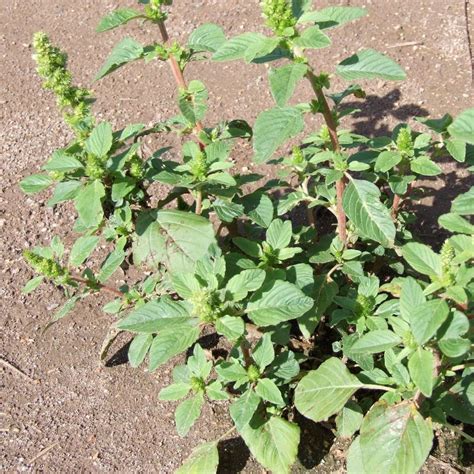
(97, 418)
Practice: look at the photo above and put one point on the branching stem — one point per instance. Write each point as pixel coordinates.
(98, 286)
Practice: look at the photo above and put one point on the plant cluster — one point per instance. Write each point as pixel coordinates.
(361, 324)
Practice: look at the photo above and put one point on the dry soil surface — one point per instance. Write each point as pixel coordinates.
(96, 418)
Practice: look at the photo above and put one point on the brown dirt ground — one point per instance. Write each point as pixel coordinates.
(100, 418)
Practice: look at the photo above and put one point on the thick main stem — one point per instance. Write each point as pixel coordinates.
(332, 128)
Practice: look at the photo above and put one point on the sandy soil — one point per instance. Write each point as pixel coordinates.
(98, 418)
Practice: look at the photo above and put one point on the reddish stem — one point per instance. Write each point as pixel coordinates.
(99, 286)
(397, 201)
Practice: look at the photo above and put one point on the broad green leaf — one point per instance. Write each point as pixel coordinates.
(139, 348)
(226, 210)
(455, 347)
(331, 17)
(421, 366)
(324, 392)
(411, 297)
(262, 47)
(458, 401)
(171, 342)
(244, 407)
(312, 38)
(62, 162)
(203, 460)
(176, 238)
(263, 353)
(111, 264)
(267, 390)
(427, 318)
(457, 149)
(283, 81)
(32, 284)
(82, 249)
(279, 234)
(116, 18)
(175, 391)
(456, 223)
(349, 419)
(193, 101)
(64, 191)
(274, 443)
(247, 246)
(273, 128)
(185, 284)
(124, 52)
(387, 160)
(231, 371)
(187, 413)
(464, 203)
(246, 281)
(463, 126)
(232, 327)
(422, 259)
(259, 207)
(35, 183)
(361, 202)
(100, 140)
(280, 302)
(89, 204)
(425, 166)
(394, 439)
(370, 64)
(235, 47)
(207, 37)
(155, 316)
(376, 341)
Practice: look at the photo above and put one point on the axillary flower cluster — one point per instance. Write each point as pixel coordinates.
(72, 100)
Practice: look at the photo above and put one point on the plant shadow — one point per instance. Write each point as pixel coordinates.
(120, 357)
(233, 455)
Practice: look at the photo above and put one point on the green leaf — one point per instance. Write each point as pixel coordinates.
(464, 203)
(425, 166)
(349, 419)
(267, 390)
(463, 126)
(176, 238)
(193, 101)
(235, 47)
(370, 64)
(421, 366)
(273, 128)
(203, 460)
(247, 246)
(455, 347)
(116, 18)
(82, 249)
(187, 413)
(243, 409)
(64, 191)
(62, 162)
(324, 392)
(35, 183)
(422, 259)
(411, 297)
(386, 161)
(458, 401)
(139, 348)
(89, 204)
(124, 52)
(279, 234)
(457, 149)
(171, 342)
(456, 223)
(274, 443)
(376, 341)
(259, 208)
(331, 17)
(260, 48)
(175, 391)
(207, 37)
(231, 327)
(361, 202)
(226, 210)
(263, 353)
(111, 264)
(281, 302)
(155, 316)
(32, 284)
(427, 318)
(243, 283)
(283, 81)
(394, 439)
(312, 38)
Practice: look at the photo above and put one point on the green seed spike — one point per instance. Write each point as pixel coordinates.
(278, 14)
(46, 267)
(405, 141)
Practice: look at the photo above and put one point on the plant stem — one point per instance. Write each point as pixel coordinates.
(99, 286)
(199, 202)
(244, 346)
(309, 211)
(459, 432)
(332, 127)
(397, 200)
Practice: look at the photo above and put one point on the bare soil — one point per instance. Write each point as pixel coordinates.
(97, 418)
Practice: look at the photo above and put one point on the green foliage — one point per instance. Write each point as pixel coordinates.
(362, 324)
